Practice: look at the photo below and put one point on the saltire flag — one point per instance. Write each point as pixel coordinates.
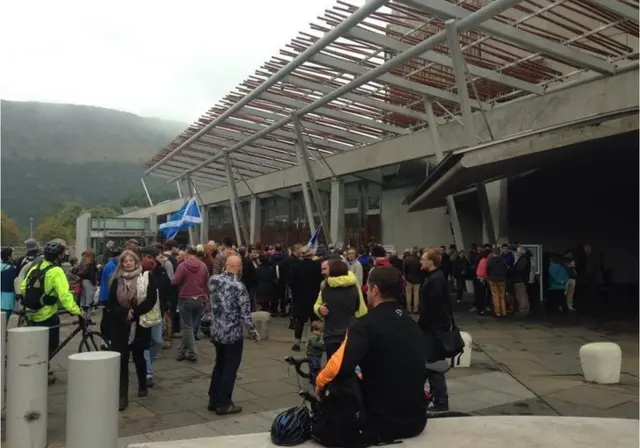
(185, 218)
(313, 241)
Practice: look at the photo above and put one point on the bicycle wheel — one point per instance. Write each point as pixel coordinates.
(92, 341)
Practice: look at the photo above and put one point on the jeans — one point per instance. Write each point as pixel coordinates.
(156, 342)
(196, 325)
(437, 380)
(225, 369)
(190, 309)
(315, 365)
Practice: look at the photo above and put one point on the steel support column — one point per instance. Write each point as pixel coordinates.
(437, 148)
(467, 117)
(146, 191)
(233, 198)
(179, 188)
(305, 191)
(312, 180)
(255, 213)
(336, 216)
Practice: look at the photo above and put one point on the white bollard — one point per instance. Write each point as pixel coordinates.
(463, 359)
(92, 400)
(601, 362)
(3, 354)
(27, 367)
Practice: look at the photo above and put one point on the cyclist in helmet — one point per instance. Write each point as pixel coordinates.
(56, 286)
(9, 274)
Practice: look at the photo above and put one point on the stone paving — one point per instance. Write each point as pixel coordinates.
(519, 367)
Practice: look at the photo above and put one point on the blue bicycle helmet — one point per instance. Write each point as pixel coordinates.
(291, 427)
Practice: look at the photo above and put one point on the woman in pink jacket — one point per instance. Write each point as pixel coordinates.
(480, 285)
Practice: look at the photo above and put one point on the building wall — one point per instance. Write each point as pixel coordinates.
(403, 229)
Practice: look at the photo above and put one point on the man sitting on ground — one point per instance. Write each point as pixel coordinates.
(387, 344)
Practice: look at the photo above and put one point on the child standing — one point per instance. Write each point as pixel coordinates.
(315, 349)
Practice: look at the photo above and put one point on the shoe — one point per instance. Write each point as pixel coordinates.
(123, 403)
(435, 409)
(149, 382)
(51, 378)
(167, 345)
(295, 348)
(192, 358)
(473, 310)
(143, 392)
(228, 410)
(212, 407)
(181, 357)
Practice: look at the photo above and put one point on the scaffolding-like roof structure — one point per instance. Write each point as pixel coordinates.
(362, 75)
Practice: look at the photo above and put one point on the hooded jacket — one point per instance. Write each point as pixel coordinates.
(191, 279)
(343, 298)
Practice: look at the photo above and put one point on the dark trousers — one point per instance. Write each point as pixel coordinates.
(437, 380)
(331, 348)
(105, 323)
(54, 331)
(459, 288)
(480, 295)
(279, 299)
(138, 361)
(301, 319)
(225, 369)
(556, 298)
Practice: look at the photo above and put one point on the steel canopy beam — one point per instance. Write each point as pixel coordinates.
(297, 81)
(493, 8)
(433, 56)
(619, 8)
(444, 9)
(389, 79)
(360, 14)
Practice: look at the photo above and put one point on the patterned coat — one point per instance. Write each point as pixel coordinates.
(230, 309)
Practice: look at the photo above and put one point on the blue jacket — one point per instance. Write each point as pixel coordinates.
(8, 295)
(107, 272)
(557, 277)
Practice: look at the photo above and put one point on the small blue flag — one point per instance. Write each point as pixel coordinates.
(185, 218)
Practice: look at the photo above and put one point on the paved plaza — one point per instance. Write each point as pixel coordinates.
(518, 368)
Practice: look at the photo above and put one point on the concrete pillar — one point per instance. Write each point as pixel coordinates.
(3, 353)
(255, 217)
(27, 367)
(204, 226)
(498, 210)
(337, 211)
(95, 375)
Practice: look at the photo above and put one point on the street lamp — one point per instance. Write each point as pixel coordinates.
(30, 227)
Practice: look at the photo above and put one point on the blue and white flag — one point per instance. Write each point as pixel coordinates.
(313, 241)
(185, 218)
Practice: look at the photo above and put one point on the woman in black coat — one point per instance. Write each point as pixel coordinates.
(264, 284)
(125, 306)
(306, 277)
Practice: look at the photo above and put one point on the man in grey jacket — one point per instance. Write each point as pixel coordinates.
(354, 265)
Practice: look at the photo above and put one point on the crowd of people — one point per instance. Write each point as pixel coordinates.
(357, 303)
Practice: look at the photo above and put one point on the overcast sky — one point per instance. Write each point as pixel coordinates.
(163, 59)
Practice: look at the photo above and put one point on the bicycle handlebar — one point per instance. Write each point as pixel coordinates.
(297, 364)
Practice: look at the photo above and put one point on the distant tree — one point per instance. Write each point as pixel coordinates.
(53, 227)
(69, 213)
(139, 198)
(102, 211)
(9, 231)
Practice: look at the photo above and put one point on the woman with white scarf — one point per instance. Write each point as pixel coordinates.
(132, 293)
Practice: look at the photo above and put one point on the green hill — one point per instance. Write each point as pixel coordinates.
(55, 153)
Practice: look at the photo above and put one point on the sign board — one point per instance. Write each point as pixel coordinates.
(536, 257)
(121, 234)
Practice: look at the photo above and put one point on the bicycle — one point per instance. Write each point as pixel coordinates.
(98, 341)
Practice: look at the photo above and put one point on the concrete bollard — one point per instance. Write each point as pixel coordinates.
(92, 400)
(3, 353)
(463, 359)
(27, 367)
(262, 320)
(601, 362)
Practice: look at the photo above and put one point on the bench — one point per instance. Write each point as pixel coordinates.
(472, 432)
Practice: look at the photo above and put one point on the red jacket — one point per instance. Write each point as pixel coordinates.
(192, 277)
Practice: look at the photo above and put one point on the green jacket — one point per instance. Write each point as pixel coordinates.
(315, 346)
(55, 280)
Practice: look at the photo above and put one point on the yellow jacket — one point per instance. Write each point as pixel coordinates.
(338, 282)
(55, 280)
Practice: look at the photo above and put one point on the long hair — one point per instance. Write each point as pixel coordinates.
(88, 257)
(120, 268)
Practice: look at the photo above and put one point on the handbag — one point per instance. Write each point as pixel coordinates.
(77, 288)
(452, 342)
(153, 317)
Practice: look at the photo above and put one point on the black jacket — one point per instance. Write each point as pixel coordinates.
(305, 285)
(412, 270)
(342, 304)
(265, 280)
(521, 270)
(388, 346)
(248, 274)
(435, 305)
(164, 287)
